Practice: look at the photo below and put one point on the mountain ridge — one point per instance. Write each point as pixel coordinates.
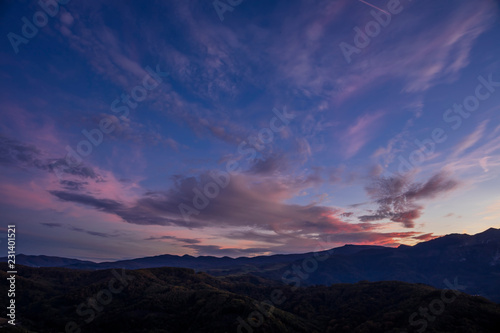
(473, 259)
(28, 260)
(347, 249)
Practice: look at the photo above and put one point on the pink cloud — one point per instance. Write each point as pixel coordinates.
(30, 195)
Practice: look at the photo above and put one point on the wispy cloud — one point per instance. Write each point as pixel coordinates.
(19, 154)
(174, 238)
(79, 229)
(359, 134)
(470, 140)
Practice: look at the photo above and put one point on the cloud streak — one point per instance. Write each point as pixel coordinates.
(15, 153)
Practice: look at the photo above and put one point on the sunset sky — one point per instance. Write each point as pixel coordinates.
(330, 136)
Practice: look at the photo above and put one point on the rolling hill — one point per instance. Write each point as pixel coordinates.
(181, 300)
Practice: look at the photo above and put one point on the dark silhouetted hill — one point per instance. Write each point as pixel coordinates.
(181, 300)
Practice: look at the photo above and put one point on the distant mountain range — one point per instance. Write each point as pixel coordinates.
(474, 260)
(186, 261)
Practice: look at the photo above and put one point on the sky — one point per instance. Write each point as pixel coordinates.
(244, 128)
